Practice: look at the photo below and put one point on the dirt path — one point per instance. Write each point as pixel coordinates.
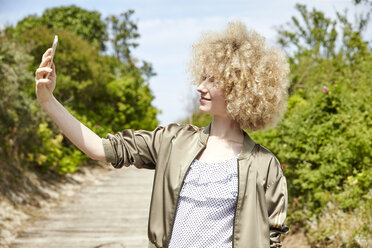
(111, 213)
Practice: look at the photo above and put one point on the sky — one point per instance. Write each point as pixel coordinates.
(168, 28)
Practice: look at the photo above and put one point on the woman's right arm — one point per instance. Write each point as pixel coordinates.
(84, 138)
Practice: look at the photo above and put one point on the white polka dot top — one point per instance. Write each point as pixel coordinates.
(206, 206)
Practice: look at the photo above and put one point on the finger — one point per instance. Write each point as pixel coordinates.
(45, 62)
(42, 71)
(43, 82)
(47, 53)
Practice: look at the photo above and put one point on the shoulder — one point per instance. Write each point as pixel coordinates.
(184, 127)
(176, 128)
(269, 165)
(265, 153)
(172, 128)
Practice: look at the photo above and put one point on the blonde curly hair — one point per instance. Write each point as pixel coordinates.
(252, 76)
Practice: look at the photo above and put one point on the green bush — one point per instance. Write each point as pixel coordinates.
(52, 155)
(83, 23)
(324, 140)
(102, 92)
(88, 82)
(16, 120)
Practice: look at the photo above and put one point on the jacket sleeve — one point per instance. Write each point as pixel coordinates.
(139, 148)
(277, 202)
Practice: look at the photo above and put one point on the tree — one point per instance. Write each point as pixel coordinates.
(89, 26)
(314, 39)
(318, 35)
(25, 137)
(84, 23)
(88, 85)
(124, 32)
(325, 137)
(15, 116)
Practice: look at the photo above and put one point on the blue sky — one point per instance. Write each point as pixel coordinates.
(168, 29)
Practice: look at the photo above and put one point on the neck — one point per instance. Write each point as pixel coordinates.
(226, 128)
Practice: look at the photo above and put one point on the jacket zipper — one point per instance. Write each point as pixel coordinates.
(178, 196)
(236, 208)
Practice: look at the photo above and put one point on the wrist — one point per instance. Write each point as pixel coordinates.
(47, 102)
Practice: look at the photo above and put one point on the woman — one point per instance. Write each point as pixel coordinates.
(213, 186)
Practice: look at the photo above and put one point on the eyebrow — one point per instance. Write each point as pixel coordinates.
(210, 79)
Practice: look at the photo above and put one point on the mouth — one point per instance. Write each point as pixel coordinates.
(204, 98)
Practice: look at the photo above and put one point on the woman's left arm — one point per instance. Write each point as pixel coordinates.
(277, 202)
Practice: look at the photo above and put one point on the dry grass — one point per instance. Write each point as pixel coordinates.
(295, 239)
(336, 228)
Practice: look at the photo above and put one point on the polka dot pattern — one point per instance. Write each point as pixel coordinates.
(206, 206)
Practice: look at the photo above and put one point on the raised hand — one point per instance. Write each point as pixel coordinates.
(45, 77)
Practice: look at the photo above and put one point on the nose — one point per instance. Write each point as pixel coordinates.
(202, 87)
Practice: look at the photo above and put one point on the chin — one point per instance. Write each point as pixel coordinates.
(204, 111)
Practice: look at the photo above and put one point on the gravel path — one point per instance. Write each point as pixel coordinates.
(111, 213)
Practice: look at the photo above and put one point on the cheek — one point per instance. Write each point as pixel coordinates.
(222, 105)
(216, 92)
(220, 102)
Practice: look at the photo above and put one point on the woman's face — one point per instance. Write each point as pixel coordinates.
(212, 100)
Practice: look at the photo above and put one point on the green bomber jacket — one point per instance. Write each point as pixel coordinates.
(262, 190)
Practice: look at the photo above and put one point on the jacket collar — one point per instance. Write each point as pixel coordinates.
(247, 145)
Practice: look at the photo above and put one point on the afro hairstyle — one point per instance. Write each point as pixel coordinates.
(253, 76)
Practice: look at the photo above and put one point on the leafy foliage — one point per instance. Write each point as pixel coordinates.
(124, 32)
(325, 136)
(101, 91)
(52, 155)
(86, 24)
(16, 119)
(87, 83)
